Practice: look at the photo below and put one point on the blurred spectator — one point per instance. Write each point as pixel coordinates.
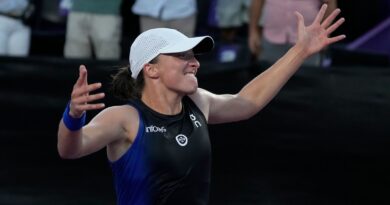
(279, 26)
(94, 28)
(176, 14)
(65, 7)
(51, 13)
(15, 33)
(230, 17)
(231, 20)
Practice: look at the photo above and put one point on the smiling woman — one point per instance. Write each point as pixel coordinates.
(158, 143)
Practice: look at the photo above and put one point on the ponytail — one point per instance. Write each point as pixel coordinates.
(124, 86)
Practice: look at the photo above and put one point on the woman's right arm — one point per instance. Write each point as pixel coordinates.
(76, 140)
(105, 128)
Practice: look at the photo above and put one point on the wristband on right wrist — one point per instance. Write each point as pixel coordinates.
(72, 123)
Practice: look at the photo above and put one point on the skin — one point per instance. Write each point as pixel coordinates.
(174, 76)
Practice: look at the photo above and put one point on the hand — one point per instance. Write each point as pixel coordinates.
(315, 37)
(254, 42)
(80, 98)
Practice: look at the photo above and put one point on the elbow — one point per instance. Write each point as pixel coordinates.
(64, 156)
(66, 153)
(66, 147)
(248, 115)
(250, 111)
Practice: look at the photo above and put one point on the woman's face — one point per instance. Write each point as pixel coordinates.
(178, 71)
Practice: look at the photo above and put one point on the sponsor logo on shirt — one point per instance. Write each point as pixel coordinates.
(182, 140)
(196, 122)
(153, 128)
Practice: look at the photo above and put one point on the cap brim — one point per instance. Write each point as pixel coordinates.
(202, 44)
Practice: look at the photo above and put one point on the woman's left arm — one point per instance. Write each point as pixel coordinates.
(259, 91)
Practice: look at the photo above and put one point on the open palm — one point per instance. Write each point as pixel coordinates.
(315, 37)
(81, 98)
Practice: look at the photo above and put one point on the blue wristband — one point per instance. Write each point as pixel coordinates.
(72, 123)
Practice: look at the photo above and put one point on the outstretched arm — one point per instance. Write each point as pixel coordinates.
(257, 93)
(71, 142)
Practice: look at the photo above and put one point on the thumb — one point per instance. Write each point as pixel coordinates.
(301, 21)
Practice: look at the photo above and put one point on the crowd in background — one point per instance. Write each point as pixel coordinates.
(101, 29)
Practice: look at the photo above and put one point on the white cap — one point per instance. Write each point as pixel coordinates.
(153, 42)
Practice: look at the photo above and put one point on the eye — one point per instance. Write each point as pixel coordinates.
(184, 55)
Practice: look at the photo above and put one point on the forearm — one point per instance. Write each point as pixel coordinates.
(69, 142)
(265, 86)
(255, 14)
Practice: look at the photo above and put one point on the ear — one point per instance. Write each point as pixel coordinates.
(151, 70)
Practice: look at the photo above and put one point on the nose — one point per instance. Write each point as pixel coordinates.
(194, 62)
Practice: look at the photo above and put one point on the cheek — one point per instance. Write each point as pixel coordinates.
(175, 70)
(171, 77)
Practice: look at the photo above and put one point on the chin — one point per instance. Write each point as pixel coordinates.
(189, 91)
(188, 87)
(192, 90)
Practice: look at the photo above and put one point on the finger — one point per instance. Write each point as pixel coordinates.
(330, 18)
(301, 21)
(336, 38)
(85, 90)
(82, 80)
(87, 107)
(335, 26)
(321, 14)
(85, 99)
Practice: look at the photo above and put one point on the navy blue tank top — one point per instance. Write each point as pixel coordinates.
(169, 161)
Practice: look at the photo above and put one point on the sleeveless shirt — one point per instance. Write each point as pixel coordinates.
(169, 161)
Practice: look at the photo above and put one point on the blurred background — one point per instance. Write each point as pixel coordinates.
(324, 139)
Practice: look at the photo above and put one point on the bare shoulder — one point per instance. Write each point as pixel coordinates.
(202, 99)
(122, 120)
(121, 108)
(121, 114)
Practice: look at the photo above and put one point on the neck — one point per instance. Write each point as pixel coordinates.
(167, 103)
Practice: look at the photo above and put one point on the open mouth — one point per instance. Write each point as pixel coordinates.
(190, 73)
